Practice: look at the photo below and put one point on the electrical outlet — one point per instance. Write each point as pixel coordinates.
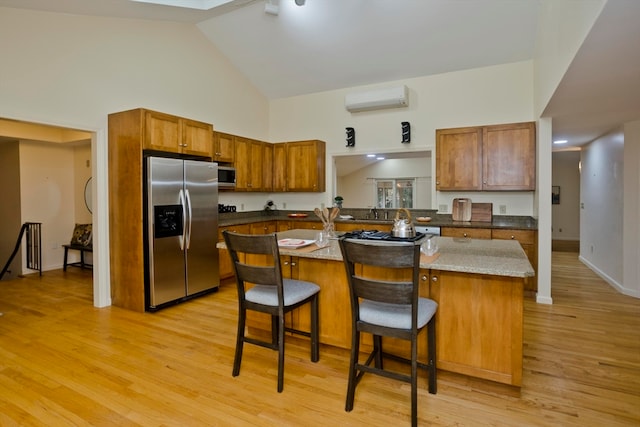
(591, 248)
(241, 207)
(559, 230)
(321, 205)
(442, 208)
(284, 205)
(503, 209)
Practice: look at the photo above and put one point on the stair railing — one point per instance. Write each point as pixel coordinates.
(34, 247)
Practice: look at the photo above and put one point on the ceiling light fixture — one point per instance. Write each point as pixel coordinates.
(188, 4)
(560, 141)
(271, 7)
(371, 155)
(300, 2)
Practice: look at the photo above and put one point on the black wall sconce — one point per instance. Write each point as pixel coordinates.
(406, 132)
(351, 137)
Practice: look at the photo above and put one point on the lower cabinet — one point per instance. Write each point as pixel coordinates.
(224, 260)
(479, 325)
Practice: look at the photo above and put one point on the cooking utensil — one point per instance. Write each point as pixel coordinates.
(325, 212)
(334, 213)
(403, 227)
(318, 213)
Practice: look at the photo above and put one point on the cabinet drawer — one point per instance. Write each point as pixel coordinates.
(472, 233)
(525, 237)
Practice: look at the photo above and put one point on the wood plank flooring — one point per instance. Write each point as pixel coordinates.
(65, 363)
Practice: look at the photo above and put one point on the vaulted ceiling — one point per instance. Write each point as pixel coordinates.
(331, 44)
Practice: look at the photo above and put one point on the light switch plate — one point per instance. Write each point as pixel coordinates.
(442, 208)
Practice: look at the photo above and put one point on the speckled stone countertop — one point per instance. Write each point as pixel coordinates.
(438, 220)
(478, 256)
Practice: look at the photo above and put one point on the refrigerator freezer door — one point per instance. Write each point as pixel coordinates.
(201, 189)
(166, 258)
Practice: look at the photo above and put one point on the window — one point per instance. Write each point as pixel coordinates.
(394, 193)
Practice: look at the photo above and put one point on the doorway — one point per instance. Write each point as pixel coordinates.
(50, 166)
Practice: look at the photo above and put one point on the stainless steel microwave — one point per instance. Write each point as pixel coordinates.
(226, 177)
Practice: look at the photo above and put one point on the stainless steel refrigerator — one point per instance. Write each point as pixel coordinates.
(181, 227)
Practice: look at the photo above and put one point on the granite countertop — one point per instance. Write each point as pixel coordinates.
(438, 220)
(478, 256)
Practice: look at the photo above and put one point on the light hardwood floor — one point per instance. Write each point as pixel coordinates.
(64, 362)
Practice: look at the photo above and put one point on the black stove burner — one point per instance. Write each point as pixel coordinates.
(380, 235)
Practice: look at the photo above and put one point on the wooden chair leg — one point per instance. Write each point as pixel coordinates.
(431, 346)
(377, 348)
(66, 254)
(414, 383)
(315, 338)
(280, 353)
(239, 342)
(351, 387)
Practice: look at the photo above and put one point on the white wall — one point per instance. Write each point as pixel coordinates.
(631, 237)
(73, 71)
(601, 218)
(491, 95)
(566, 215)
(47, 196)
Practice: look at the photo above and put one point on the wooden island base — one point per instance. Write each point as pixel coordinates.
(479, 319)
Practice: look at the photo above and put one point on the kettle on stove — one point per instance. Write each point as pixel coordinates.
(403, 227)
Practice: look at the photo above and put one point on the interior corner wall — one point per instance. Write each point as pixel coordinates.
(565, 216)
(10, 219)
(631, 238)
(602, 205)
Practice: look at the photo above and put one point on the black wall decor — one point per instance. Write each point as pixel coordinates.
(406, 132)
(351, 137)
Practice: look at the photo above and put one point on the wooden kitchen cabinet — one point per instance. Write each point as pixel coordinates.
(479, 325)
(486, 158)
(224, 147)
(528, 240)
(263, 227)
(250, 164)
(471, 233)
(130, 133)
(164, 132)
(299, 166)
(224, 260)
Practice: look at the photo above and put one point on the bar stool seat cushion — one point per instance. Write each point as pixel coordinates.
(294, 292)
(396, 315)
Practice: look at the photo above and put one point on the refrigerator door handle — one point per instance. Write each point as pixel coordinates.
(182, 202)
(188, 225)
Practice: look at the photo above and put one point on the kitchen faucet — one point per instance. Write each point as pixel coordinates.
(374, 211)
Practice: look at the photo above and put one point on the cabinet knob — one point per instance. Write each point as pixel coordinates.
(293, 264)
(434, 279)
(424, 278)
(464, 234)
(286, 263)
(513, 237)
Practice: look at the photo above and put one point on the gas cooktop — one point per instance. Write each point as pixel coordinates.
(380, 235)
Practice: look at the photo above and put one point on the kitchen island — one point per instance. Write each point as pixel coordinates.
(477, 283)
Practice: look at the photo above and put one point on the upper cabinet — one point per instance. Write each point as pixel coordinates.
(253, 165)
(164, 132)
(486, 158)
(224, 147)
(299, 166)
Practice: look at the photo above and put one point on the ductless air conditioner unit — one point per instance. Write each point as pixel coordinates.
(392, 97)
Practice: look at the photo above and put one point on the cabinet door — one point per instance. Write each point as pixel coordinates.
(479, 325)
(279, 167)
(243, 164)
(256, 166)
(263, 227)
(196, 138)
(267, 166)
(224, 260)
(509, 157)
(223, 147)
(162, 132)
(458, 159)
(305, 166)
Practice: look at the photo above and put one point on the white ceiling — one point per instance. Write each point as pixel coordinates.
(333, 44)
